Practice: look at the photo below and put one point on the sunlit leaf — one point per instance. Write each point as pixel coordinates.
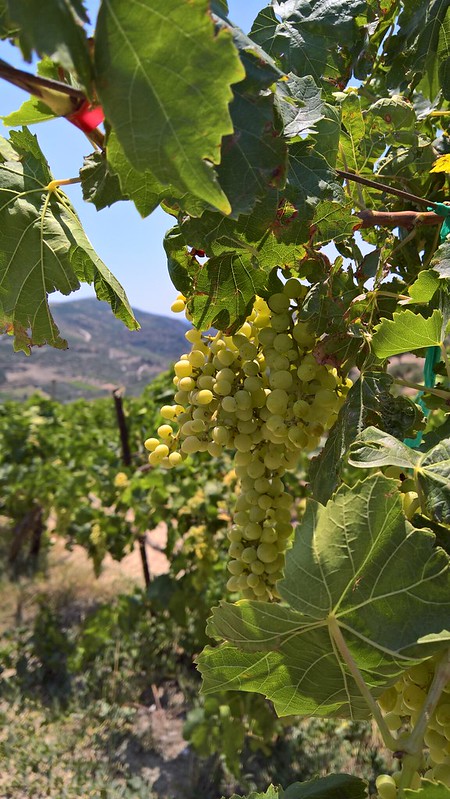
(44, 249)
(407, 331)
(168, 110)
(354, 565)
(431, 469)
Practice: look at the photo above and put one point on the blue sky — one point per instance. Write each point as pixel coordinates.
(130, 246)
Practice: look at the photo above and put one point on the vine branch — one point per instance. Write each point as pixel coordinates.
(406, 219)
(405, 195)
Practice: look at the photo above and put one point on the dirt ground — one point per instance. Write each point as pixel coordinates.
(156, 750)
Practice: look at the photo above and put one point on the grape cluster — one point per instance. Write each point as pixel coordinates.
(401, 705)
(262, 393)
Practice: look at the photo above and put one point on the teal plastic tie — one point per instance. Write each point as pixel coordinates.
(433, 355)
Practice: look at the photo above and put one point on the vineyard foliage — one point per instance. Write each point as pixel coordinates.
(327, 123)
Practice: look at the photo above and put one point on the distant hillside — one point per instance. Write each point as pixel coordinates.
(102, 354)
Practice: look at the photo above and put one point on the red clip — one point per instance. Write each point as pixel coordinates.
(87, 118)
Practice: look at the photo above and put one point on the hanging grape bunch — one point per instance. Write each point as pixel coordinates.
(402, 706)
(262, 394)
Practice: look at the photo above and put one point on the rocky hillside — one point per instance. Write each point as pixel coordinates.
(103, 354)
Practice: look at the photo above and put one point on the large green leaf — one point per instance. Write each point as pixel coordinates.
(164, 79)
(407, 331)
(357, 567)
(44, 249)
(369, 402)
(431, 469)
(56, 31)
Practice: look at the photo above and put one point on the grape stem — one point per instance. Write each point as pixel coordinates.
(336, 635)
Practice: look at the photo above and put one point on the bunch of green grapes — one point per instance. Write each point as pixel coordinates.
(261, 393)
(401, 705)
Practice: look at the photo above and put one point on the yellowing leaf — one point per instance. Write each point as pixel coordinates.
(442, 164)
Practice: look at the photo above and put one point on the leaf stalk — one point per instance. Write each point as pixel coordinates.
(338, 638)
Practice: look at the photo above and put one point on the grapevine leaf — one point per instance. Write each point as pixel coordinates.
(220, 292)
(440, 262)
(310, 178)
(433, 478)
(374, 448)
(168, 111)
(139, 185)
(299, 104)
(333, 786)
(429, 790)
(424, 288)
(333, 221)
(355, 563)
(419, 51)
(328, 134)
(369, 402)
(351, 149)
(407, 331)
(44, 250)
(56, 31)
(254, 157)
(304, 37)
(431, 469)
(7, 28)
(143, 188)
(271, 235)
(30, 112)
(100, 186)
(271, 793)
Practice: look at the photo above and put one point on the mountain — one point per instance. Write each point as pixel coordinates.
(103, 354)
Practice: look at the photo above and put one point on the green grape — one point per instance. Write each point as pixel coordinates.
(235, 567)
(183, 368)
(282, 343)
(388, 700)
(443, 714)
(203, 397)
(294, 289)
(267, 553)
(278, 303)
(441, 773)
(386, 787)
(249, 555)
